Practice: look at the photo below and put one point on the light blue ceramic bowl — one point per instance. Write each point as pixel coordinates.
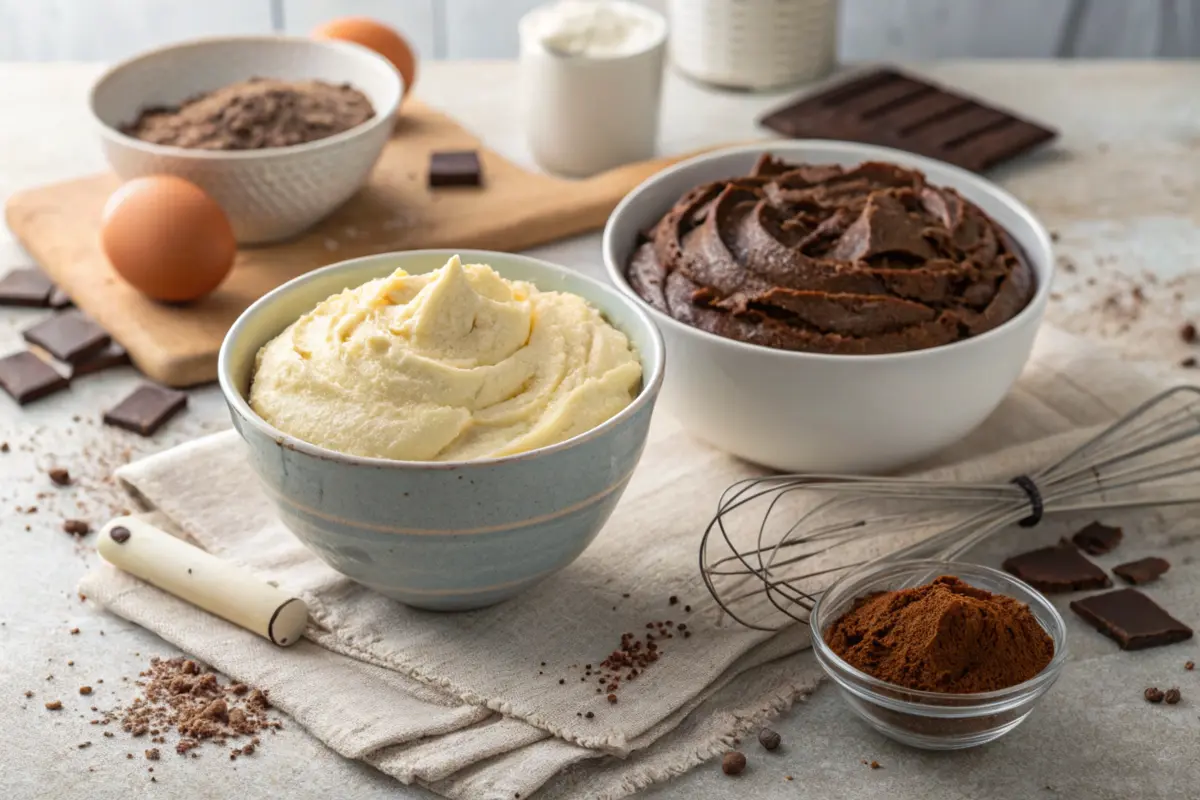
(445, 535)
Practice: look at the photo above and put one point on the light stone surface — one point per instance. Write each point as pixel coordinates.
(1121, 191)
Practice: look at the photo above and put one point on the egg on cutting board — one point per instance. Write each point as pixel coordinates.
(375, 36)
(167, 238)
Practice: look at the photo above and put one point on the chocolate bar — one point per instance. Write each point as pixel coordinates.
(889, 108)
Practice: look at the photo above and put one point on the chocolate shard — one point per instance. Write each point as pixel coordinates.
(1060, 568)
(27, 287)
(147, 409)
(1131, 619)
(26, 378)
(1097, 539)
(69, 336)
(890, 108)
(455, 168)
(113, 355)
(1143, 570)
(59, 299)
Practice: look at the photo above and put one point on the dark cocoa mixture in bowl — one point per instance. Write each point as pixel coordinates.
(828, 259)
(255, 114)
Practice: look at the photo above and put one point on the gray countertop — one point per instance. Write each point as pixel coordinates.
(1121, 191)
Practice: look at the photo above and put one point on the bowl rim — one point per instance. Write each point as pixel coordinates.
(382, 116)
(652, 362)
(970, 702)
(1043, 264)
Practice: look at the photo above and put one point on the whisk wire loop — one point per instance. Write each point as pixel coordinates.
(777, 541)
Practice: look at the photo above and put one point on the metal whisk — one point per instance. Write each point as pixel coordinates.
(776, 542)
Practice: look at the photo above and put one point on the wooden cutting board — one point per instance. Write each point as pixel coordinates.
(177, 345)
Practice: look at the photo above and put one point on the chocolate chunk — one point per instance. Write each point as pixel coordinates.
(1057, 569)
(59, 299)
(1153, 694)
(1097, 539)
(147, 409)
(889, 108)
(1143, 570)
(120, 534)
(69, 337)
(27, 287)
(1188, 333)
(455, 168)
(1172, 696)
(1131, 618)
(113, 355)
(27, 378)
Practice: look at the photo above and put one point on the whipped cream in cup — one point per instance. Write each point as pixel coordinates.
(591, 83)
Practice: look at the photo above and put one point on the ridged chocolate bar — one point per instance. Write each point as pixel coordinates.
(889, 108)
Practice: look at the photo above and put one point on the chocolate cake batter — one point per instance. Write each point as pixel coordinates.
(861, 260)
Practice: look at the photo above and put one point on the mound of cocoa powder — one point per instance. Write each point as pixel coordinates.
(945, 636)
(255, 114)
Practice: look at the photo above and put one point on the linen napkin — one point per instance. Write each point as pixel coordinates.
(461, 702)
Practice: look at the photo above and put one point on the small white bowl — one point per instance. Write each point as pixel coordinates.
(811, 412)
(269, 194)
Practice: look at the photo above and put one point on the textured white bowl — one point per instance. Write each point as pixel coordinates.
(809, 412)
(269, 194)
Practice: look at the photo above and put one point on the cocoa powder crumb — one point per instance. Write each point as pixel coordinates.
(179, 695)
(1188, 333)
(59, 476)
(74, 631)
(876, 765)
(1189, 666)
(54, 705)
(733, 763)
(76, 527)
(85, 690)
(153, 754)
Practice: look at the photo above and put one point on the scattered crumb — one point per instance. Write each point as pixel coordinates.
(85, 690)
(54, 705)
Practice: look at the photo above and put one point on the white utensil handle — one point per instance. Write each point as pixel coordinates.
(226, 590)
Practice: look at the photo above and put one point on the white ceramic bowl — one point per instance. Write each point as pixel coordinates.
(810, 412)
(269, 194)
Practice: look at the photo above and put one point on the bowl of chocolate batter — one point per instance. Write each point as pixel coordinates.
(280, 131)
(831, 306)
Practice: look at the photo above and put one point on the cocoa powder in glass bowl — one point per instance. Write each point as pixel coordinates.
(961, 714)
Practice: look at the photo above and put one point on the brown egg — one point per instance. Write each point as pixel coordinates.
(167, 238)
(378, 37)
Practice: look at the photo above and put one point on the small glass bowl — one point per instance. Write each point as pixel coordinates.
(934, 720)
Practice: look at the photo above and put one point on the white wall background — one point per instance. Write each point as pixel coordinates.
(45, 30)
